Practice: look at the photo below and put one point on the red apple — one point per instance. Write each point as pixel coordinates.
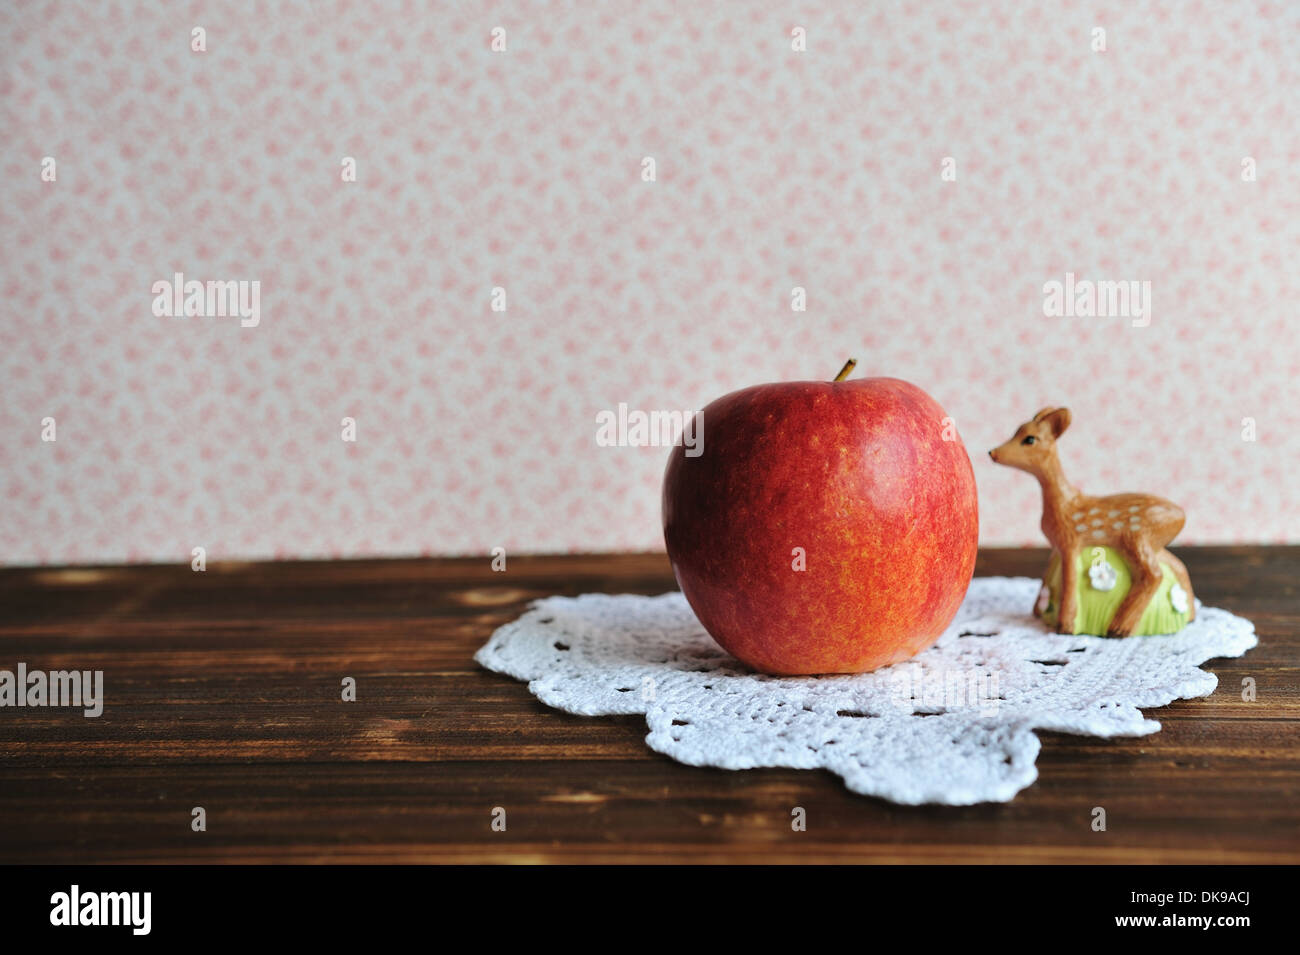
(868, 477)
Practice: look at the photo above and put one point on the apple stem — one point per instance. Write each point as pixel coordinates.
(847, 369)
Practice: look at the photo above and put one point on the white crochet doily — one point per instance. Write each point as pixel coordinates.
(953, 725)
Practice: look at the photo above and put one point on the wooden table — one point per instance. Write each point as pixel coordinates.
(223, 691)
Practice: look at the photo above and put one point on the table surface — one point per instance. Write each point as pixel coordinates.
(223, 691)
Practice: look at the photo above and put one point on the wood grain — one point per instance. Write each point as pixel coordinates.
(223, 691)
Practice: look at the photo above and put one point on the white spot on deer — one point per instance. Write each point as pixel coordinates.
(1099, 533)
(1080, 527)
(1135, 508)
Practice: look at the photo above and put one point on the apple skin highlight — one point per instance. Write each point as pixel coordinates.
(856, 473)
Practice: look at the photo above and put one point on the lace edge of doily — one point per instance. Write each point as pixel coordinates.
(1128, 721)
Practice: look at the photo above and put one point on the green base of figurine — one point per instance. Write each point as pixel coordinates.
(1097, 607)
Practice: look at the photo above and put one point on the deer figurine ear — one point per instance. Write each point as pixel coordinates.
(1058, 419)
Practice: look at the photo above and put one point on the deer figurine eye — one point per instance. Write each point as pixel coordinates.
(1029, 440)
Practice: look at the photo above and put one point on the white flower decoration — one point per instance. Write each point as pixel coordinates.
(1101, 574)
(1044, 598)
(1178, 597)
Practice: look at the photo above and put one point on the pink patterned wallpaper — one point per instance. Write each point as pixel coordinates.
(463, 250)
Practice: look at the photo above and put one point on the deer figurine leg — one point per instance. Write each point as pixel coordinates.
(1144, 568)
(1069, 608)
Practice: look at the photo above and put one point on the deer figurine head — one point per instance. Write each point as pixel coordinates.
(1033, 447)
(1132, 529)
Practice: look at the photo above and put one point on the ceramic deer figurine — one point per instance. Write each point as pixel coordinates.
(1138, 526)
